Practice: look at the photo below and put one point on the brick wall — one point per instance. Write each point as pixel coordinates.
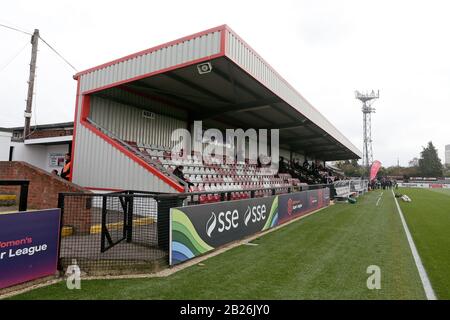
(43, 133)
(50, 133)
(44, 189)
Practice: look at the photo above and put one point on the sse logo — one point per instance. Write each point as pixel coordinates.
(225, 221)
(256, 213)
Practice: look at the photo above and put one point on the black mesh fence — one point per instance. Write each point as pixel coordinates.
(115, 233)
(123, 233)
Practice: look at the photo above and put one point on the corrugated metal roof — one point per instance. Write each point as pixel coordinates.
(243, 55)
(150, 50)
(204, 46)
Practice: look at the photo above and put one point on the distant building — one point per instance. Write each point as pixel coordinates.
(447, 154)
(5, 143)
(44, 148)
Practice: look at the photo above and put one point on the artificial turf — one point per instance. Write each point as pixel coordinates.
(323, 256)
(428, 218)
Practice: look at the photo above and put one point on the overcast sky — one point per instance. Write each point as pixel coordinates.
(325, 49)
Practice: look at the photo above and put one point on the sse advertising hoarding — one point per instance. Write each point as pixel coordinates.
(198, 229)
(28, 245)
(300, 203)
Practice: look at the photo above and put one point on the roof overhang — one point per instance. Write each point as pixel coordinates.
(51, 140)
(240, 91)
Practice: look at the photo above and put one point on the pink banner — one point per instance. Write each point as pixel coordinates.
(374, 170)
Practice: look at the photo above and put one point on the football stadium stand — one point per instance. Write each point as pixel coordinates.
(127, 109)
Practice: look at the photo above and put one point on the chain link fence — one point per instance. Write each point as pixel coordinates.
(115, 233)
(123, 233)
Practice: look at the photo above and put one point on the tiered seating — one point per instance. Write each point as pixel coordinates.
(152, 155)
(215, 177)
(209, 176)
(291, 181)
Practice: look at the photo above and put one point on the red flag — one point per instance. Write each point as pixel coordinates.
(374, 170)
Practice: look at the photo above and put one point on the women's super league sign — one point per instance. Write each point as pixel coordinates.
(28, 245)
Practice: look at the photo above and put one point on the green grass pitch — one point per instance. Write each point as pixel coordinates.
(428, 219)
(324, 256)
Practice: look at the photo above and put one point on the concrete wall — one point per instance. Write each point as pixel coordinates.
(38, 155)
(43, 192)
(5, 142)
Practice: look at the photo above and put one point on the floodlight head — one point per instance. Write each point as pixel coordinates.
(203, 68)
(364, 97)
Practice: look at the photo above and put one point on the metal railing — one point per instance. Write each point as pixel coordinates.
(113, 233)
(344, 188)
(192, 198)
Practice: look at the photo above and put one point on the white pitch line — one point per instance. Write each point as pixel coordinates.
(378, 201)
(429, 292)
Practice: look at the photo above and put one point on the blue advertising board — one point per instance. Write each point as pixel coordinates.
(28, 245)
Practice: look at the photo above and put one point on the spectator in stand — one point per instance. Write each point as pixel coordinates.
(54, 172)
(305, 164)
(282, 166)
(178, 172)
(65, 172)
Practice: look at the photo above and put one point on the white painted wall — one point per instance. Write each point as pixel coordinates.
(33, 154)
(55, 149)
(38, 155)
(5, 142)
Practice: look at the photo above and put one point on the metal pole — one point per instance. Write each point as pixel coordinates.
(61, 225)
(23, 202)
(129, 215)
(27, 114)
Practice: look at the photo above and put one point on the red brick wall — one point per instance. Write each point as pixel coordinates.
(50, 133)
(43, 191)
